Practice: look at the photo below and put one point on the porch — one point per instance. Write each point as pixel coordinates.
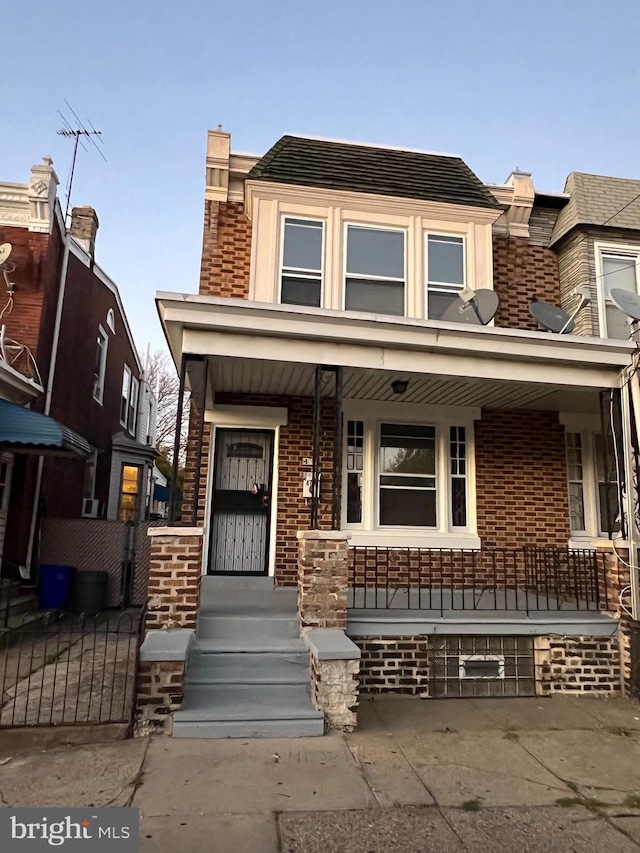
(500, 591)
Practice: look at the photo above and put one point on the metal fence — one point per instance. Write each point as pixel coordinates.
(440, 580)
(69, 669)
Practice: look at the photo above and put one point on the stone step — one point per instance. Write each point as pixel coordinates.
(262, 582)
(249, 669)
(233, 602)
(256, 644)
(247, 711)
(246, 628)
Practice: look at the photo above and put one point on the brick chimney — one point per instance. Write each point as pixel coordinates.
(84, 227)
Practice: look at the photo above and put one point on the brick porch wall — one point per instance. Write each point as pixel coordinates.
(521, 479)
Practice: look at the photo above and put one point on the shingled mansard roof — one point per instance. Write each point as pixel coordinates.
(595, 199)
(367, 169)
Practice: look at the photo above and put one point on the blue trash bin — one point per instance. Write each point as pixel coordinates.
(55, 586)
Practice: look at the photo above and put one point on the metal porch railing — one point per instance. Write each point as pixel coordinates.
(441, 580)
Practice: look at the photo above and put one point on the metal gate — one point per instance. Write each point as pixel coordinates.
(69, 670)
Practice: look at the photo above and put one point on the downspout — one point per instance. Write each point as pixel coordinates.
(49, 394)
(629, 399)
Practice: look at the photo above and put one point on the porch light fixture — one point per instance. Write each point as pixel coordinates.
(399, 386)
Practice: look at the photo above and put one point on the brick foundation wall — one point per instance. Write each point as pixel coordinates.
(561, 664)
(578, 665)
(522, 273)
(521, 481)
(174, 579)
(160, 690)
(394, 665)
(226, 250)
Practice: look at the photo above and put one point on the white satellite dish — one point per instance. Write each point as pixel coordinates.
(5, 251)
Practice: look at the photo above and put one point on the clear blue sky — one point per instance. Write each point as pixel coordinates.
(550, 86)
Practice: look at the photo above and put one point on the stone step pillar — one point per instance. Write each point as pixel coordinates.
(323, 579)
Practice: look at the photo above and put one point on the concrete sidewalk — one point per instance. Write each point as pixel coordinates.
(457, 775)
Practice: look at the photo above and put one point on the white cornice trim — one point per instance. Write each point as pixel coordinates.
(265, 190)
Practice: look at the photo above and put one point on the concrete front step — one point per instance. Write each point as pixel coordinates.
(255, 645)
(247, 628)
(247, 711)
(248, 728)
(250, 669)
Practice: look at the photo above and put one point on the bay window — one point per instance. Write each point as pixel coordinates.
(414, 476)
(375, 270)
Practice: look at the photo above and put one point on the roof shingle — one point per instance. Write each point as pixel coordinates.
(599, 200)
(378, 171)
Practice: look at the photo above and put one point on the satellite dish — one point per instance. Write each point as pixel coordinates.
(5, 251)
(627, 302)
(477, 310)
(552, 318)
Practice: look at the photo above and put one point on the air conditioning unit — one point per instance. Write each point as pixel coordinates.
(90, 508)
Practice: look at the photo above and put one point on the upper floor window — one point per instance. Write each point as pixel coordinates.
(129, 400)
(100, 365)
(445, 272)
(617, 269)
(301, 281)
(111, 320)
(375, 270)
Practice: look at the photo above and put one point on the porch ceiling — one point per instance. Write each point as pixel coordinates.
(256, 376)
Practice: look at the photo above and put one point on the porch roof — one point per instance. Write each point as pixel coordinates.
(265, 348)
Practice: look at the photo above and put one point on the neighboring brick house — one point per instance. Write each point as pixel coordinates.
(70, 337)
(466, 463)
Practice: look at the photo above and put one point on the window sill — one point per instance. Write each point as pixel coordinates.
(412, 538)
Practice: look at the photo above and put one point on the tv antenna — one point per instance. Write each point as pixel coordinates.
(474, 307)
(556, 319)
(79, 133)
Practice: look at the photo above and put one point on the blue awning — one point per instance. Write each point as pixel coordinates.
(161, 493)
(25, 431)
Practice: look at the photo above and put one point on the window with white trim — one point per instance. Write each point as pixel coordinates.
(592, 485)
(124, 398)
(445, 272)
(410, 476)
(100, 365)
(375, 270)
(302, 255)
(133, 406)
(616, 268)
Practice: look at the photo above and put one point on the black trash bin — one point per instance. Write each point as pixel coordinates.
(90, 593)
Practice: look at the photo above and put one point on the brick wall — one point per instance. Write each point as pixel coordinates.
(578, 665)
(226, 250)
(174, 580)
(522, 273)
(394, 665)
(521, 479)
(577, 267)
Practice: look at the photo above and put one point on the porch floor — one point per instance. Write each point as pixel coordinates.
(406, 612)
